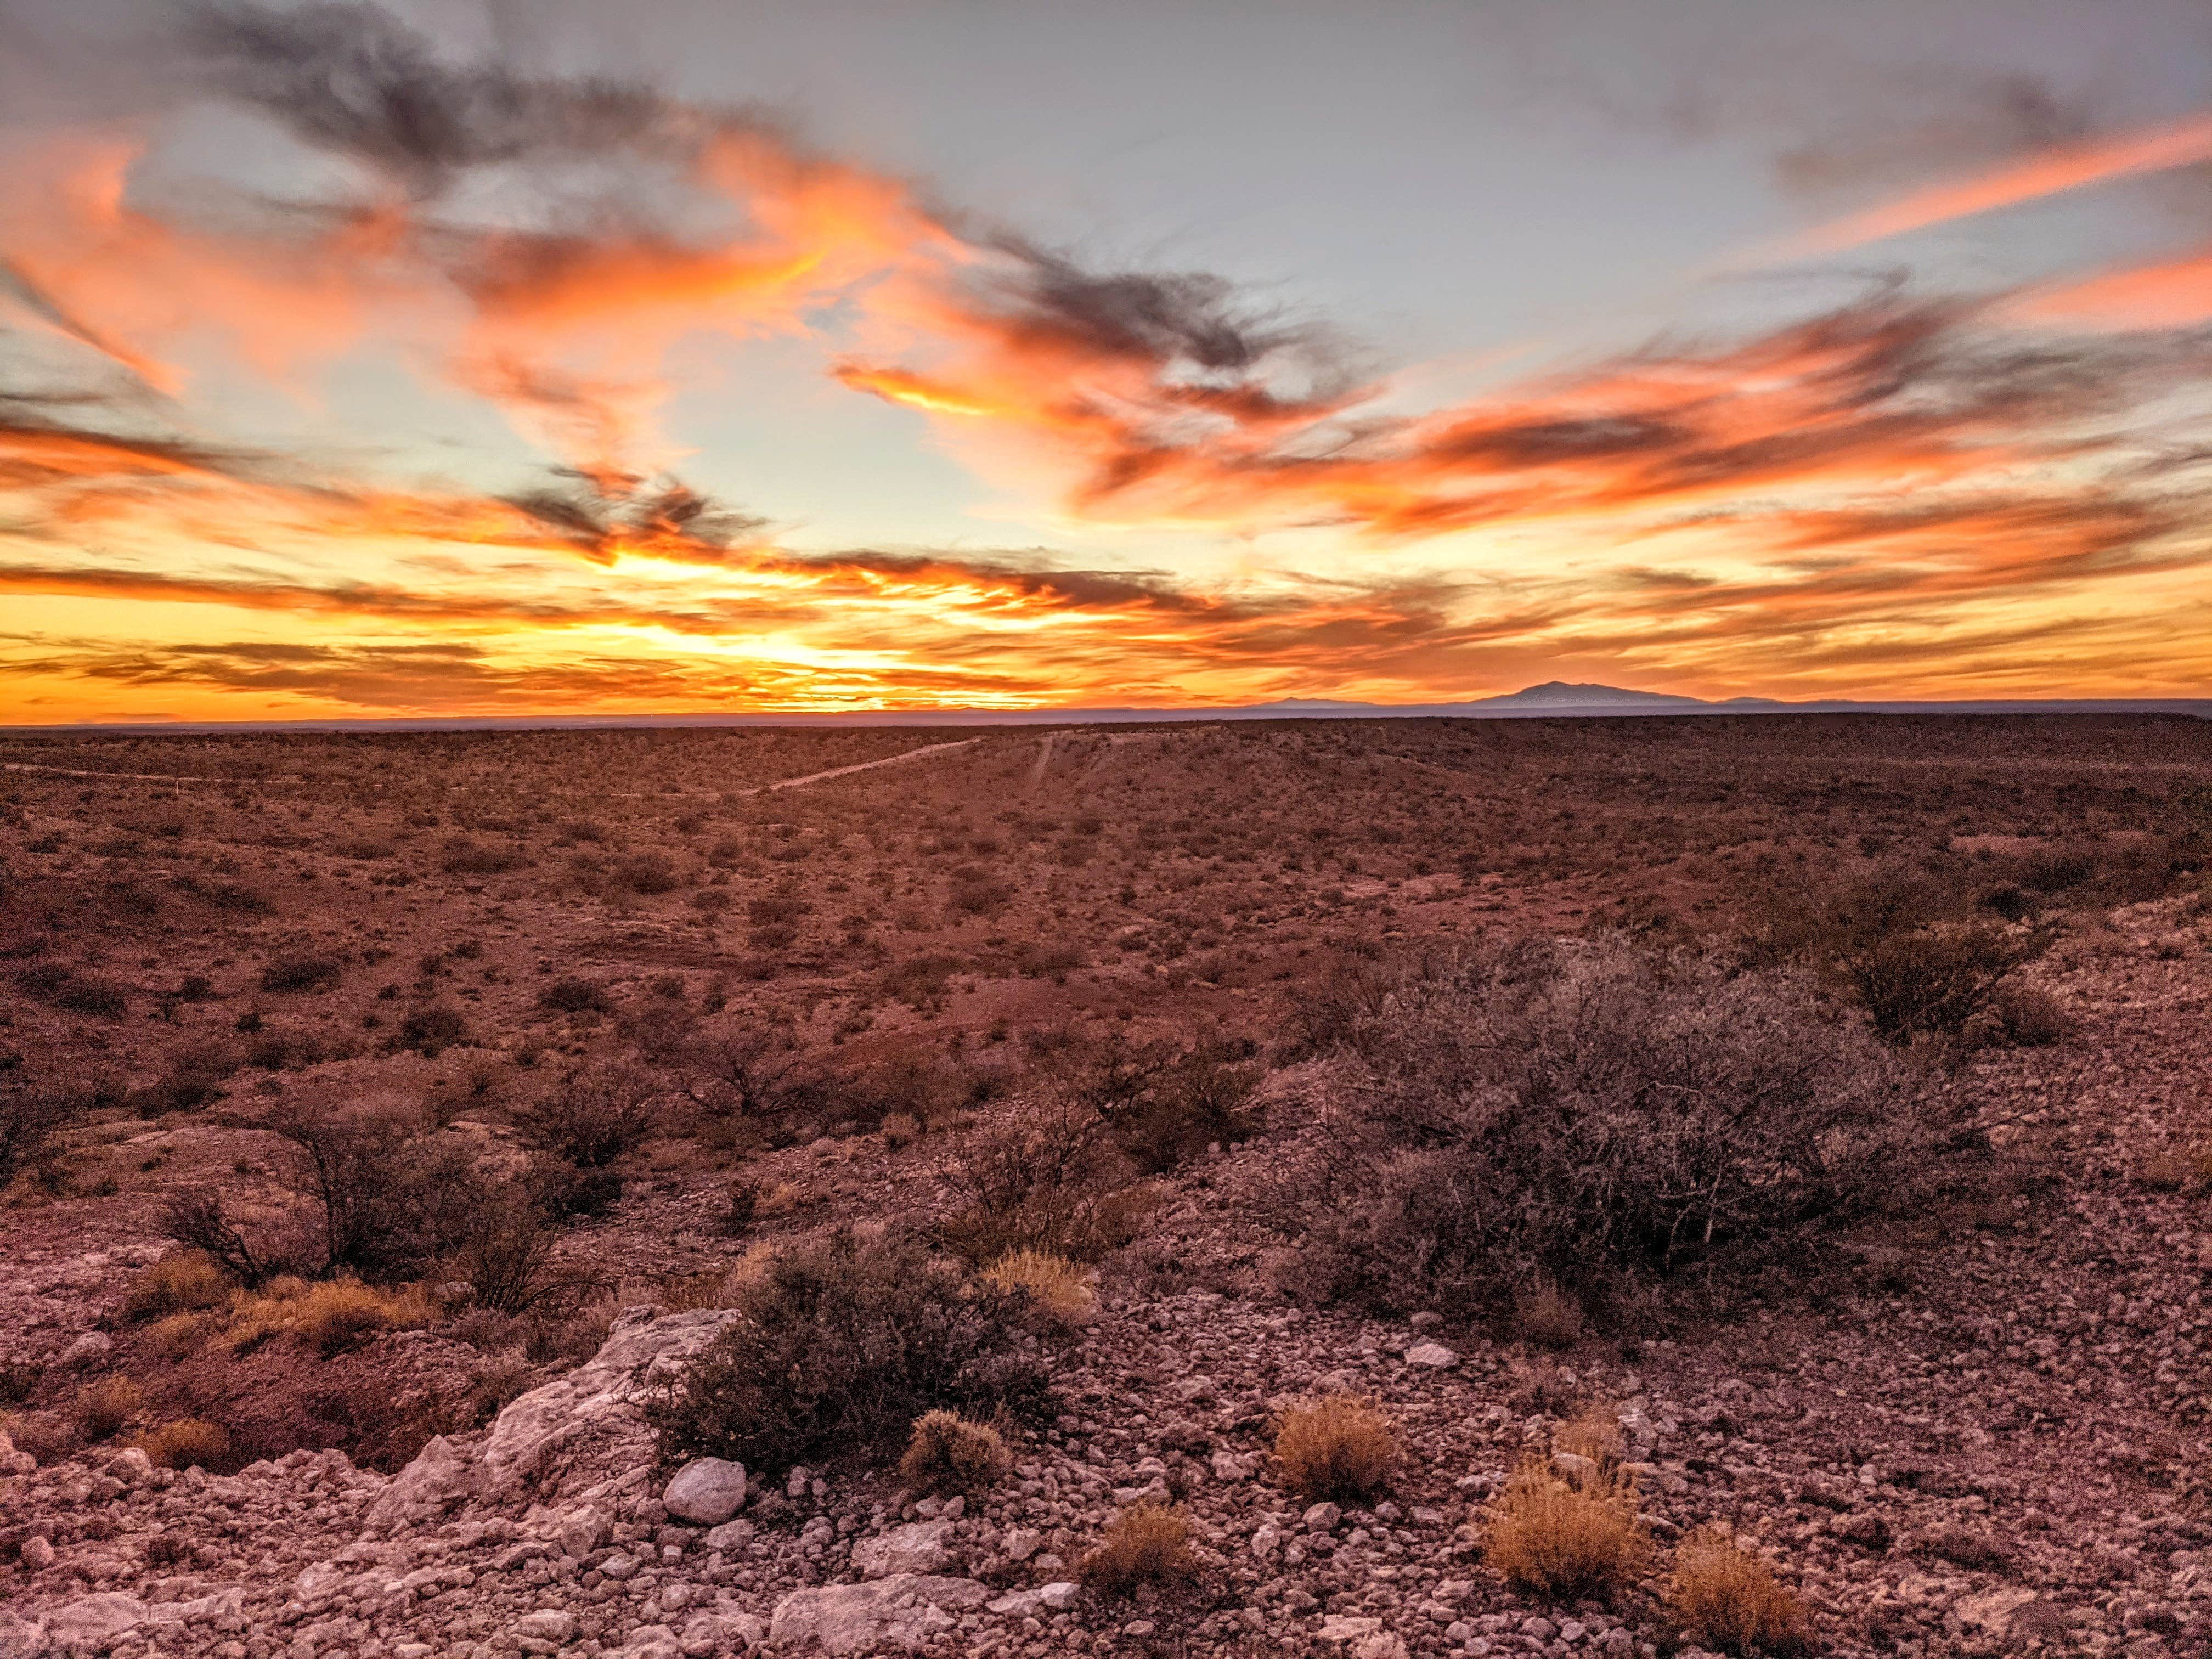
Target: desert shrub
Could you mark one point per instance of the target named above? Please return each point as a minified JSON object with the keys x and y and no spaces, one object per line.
{"x":464,"y":857}
{"x":496,"y":1379}
{"x":1929,"y":979}
{"x":1555,"y":1539}
{"x":571,"y":995}
{"x":1340,"y":1450}
{"x":183,"y":1282}
{"x":389,"y":1199}
{"x":947,"y":1454}
{"x":103,"y":1408}
{"x":19,"y":1379}
{"x":433,"y":1029}
{"x":899,"y":1129}
{"x":1145,"y":1544}
{"x":740,"y":1203}
{"x":186,"y":1443}
{"x":1593,"y":1431}
{"x":646,"y":874}
{"x":1728,"y":1599}
{"x":91,"y":994}
{"x":1591,"y":1112}
{"x":300,"y":971}
{"x":839,"y":1346}
{"x":1036,"y":1184}
{"x":1162,"y":1113}
{"x":31,"y":1115}
{"x":195,"y":1217}
{"x":594,"y":1116}
{"x":753,"y":1074}
{"x":562,"y":1192}
{"x":1054,"y":1286}
{"x":1546,"y":1314}
{"x":2028,"y":1015}
{"x":506,"y":1259}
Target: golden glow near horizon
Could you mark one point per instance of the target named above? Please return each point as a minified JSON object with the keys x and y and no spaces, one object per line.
{"x":1987,"y":494}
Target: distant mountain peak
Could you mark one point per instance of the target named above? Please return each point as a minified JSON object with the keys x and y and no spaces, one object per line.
{"x":1572,"y":694}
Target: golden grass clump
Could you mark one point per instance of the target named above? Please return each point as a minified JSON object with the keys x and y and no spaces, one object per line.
{"x":1148,"y":1543}
{"x":948,"y":1453}
{"x":187,"y":1283}
{"x":1729,"y":1598}
{"x":1056,"y":1285}
{"x":1340,"y":1450}
{"x":1558,"y":1539}
{"x":183,"y":1444}
{"x":2177,"y":1169}
{"x":901,"y":1129}
{"x":179,"y":1336}
{"x":103,"y":1408}
{"x":1593,"y":1432}
{"x":330,"y":1317}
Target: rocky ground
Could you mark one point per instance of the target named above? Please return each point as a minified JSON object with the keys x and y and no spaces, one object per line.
{"x":1986,"y":1437}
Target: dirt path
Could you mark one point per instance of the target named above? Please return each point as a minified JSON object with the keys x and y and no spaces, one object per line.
{"x":864,"y":766}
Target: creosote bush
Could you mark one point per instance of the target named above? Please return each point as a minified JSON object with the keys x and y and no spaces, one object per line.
{"x":1555,"y":1539}
{"x":839,"y":1344}
{"x":947,"y":1454}
{"x":103,"y":1408}
{"x":1592,"y":1112}
{"x":1728,"y":1599}
{"x":1340,"y":1449}
{"x":593,"y":1117}
{"x":1147,"y":1543}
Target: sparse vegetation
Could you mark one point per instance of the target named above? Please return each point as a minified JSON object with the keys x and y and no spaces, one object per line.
{"x":1729,"y":1598}
{"x":1339,"y":1449}
{"x":947,"y":1454}
{"x":1146,"y":1544}
{"x":1563,"y":1540}
{"x":839,"y":1345}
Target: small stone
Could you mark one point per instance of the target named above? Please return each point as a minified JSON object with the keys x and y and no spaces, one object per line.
{"x":1431,"y":1356}
{"x":1323,"y":1517}
{"x":547,"y":1625}
{"x":36,"y":1553}
{"x":1020,"y":1543}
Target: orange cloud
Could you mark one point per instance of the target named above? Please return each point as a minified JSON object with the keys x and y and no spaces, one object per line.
{"x":2171,"y":294}
{"x":2047,"y":172}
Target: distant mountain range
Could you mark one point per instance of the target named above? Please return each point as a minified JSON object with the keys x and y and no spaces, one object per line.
{"x":1553,"y":699}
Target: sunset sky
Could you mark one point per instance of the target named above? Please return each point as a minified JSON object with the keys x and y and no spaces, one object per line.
{"x":547,"y":356}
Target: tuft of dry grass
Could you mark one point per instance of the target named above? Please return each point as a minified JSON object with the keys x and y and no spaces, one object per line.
{"x":329,"y":1317}
{"x":1146,"y":1544}
{"x":103,"y":1408}
{"x":1557,"y":1540}
{"x":2174,"y":1169}
{"x":948,"y":1453}
{"x":1729,"y":1598}
{"x":1593,"y":1432}
{"x":1340,"y":1449}
{"x":1547,"y":1315}
{"x":186,"y":1283}
{"x":1056,"y":1285}
{"x":183,"y":1444}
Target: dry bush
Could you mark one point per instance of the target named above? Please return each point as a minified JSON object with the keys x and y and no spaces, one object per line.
{"x":186,"y":1282}
{"x":1728,"y":1599}
{"x":2178,"y":1168}
{"x":1593,"y":1432}
{"x":31,"y":1115}
{"x":1546,"y":1314}
{"x":186,"y":1443}
{"x":594,"y":1116}
{"x":91,"y":994}
{"x":1042,"y":1183}
{"x":180,"y":1336}
{"x":1054,"y":1286}
{"x":433,"y":1029}
{"x":948,"y":1453}
{"x":329,"y":1316}
{"x":391,"y":1198}
{"x":2029,"y":1015}
{"x":465,"y":857}
{"x":103,"y":1408}
{"x":506,"y":1259}
{"x":195,"y":1217}
{"x":754,"y":1074}
{"x":1593,"y":1111}
{"x":1340,"y":1449}
{"x":571,"y":995}
{"x":1557,"y":1540}
{"x":1145,"y":1544}
{"x":1166,"y":1102}
{"x":899,"y":1130}
{"x":300,"y":971}
{"x":1930,"y":978}
{"x":646,"y":874}
{"x":839,"y":1345}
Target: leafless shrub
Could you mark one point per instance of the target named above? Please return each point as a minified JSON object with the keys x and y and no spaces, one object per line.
{"x":31,"y":1115}
{"x":594,"y":1117}
{"x":389,"y":1199}
{"x":300,"y":971}
{"x":1593,"y":1110}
